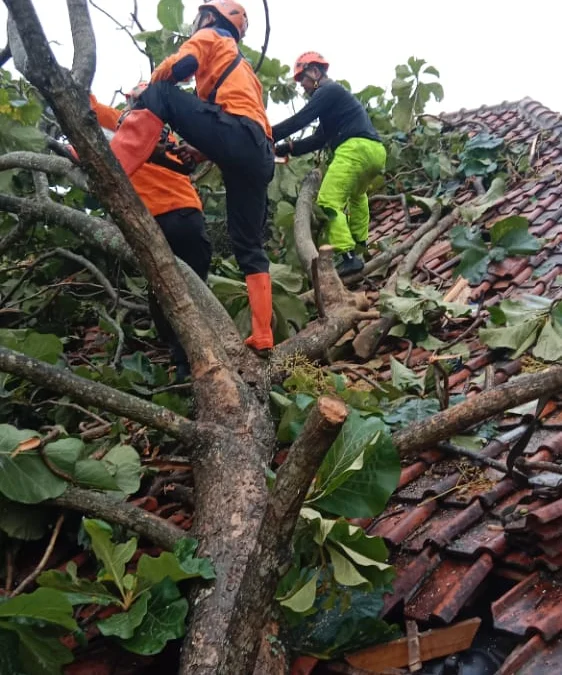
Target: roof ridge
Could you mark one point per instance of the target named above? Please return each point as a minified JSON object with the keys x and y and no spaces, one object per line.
{"x":534,"y":112}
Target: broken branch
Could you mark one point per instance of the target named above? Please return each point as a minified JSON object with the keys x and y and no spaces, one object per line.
{"x":146,"y":524}
{"x":306,"y":250}
{"x":106,"y":398}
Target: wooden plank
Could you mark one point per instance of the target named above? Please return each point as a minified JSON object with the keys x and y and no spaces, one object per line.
{"x":433,"y":644}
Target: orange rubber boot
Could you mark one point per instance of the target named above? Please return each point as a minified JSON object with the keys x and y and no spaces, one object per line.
{"x":136,"y":139}
{"x":259,"y":293}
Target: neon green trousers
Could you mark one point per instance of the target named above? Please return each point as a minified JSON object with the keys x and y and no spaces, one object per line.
{"x":343,"y":193}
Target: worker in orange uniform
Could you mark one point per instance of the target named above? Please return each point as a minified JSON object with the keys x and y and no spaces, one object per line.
{"x":173,"y":201}
{"x":226,"y":121}
{"x":359,"y":156}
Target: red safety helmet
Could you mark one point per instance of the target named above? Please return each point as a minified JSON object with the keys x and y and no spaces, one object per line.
{"x":232,"y":11}
{"x":306,"y":60}
{"x":131,"y":96}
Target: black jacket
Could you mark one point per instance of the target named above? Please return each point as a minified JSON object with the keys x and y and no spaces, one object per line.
{"x":341,"y":117}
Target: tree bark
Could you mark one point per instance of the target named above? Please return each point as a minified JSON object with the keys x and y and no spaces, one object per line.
{"x":422,"y":435}
{"x":146,"y":524}
{"x":306,"y":250}
{"x":264,"y":537}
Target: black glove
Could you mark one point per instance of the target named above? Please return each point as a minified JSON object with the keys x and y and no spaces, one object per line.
{"x":283,"y":149}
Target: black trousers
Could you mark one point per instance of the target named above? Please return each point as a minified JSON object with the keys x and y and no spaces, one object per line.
{"x":186,"y":234}
{"x":241,"y":150}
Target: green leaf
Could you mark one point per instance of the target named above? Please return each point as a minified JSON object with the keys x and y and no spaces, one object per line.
{"x":9,"y":657}
{"x":345,"y":571}
{"x":284,"y":277}
{"x":42,"y":346}
{"x":513,"y":235}
{"x":25,"y":477}
{"x":94,"y":474}
{"x":430,"y":70}
{"x":38,"y":654}
{"x":185,"y":550}
{"x":478,"y":206}
{"x":168,"y":565}
{"x":347,"y":453}
{"x":124,"y":464}
{"x":549,"y":344}
{"x":404,"y":412}
{"x":44,"y":604}
{"x":303,"y":599}
{"x":77,"y":591}
{"x":404,"y":378}
{"x":170,"y":14}
{"x":113,"y":556}
{"x":365,"y":493}
{"x":124,"y":624}
{"x":23,"y":522}
{"x":518,"y":337}
{"x":164,"y":620}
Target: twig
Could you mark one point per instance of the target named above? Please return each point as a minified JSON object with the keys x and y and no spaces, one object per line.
{"x":44,"y":560}
{"x":477,"y":322}
{"x":53,"y":468}
{"x":266,"y":38}
{"x":355,"y":370}
{"x":75,"y":406}
{"x":9,"y":567}
{"x":523,"y":463}
{"x":123,"y":28}
{"x":453,"y":449}
{"x":441,"y":384}
{"x":319,"y":302}
{"x":116,"y":325}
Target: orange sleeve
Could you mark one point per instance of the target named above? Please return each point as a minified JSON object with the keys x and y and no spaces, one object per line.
{"x":108,"y":117}
{"x":192,"y":47}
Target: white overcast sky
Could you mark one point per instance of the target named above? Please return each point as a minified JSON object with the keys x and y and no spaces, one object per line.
{"x":487,"y":51}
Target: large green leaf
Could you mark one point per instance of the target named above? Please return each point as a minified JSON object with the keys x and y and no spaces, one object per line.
{"x":124,"y":624}
{"x":302,"y":599}
{"x":513,"y":235}
{"x":170,"y":14}
{"x":44,"y":604}
{"x":123,"y":462}
{"x":478,"y":206}
{"x":365,"y":493}
{"x":78,"y":591}
{"x":345,"y":572}
{"x":518,"y":337}
{"x":25,"y":477}
{"x":549,"y":344}
{"x":348,"y":453}
{"x":284,"y":277}
{"x":38,"y":654}
{"x":164,"y":620}
{"x":42,"y":346}
{"x":113,"y":556}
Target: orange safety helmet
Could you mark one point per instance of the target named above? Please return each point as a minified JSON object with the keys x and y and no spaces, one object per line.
{"x":131,"y":96}
{"x":232,"y":11}
{"x":308,"y":59}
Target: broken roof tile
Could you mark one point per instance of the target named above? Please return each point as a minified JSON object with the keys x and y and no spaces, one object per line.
{"x":535,"y":604}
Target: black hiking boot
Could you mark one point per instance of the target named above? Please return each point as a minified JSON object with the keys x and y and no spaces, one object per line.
{"x":349,"y":264}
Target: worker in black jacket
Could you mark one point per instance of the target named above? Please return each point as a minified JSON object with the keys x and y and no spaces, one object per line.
{"x":359,"y":155}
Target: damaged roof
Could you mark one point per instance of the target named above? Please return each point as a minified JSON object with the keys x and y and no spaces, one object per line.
{"x":464,"y":536}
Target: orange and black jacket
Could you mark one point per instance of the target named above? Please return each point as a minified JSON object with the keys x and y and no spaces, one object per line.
{"x":161,"y":190}
{"x":206,"y":55}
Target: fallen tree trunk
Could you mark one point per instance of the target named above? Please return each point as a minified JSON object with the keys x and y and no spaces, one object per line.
{"x":306,"y":250}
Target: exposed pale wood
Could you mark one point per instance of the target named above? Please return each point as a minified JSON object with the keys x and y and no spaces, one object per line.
{"x":433,"y":644}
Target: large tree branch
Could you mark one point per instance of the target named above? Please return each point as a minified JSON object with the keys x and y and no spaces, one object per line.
{"x":146,"y":524}
{"x":84,"y":39}
{"x":217,"y":385}
{"x":5,"y":55}
{"x":421,"y":435}
{"x":34,"y":161}
{"x":107,"y":237}
{"x":244,"y":611}
{"x":107,"y":398}
{"x":306,"y":250}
